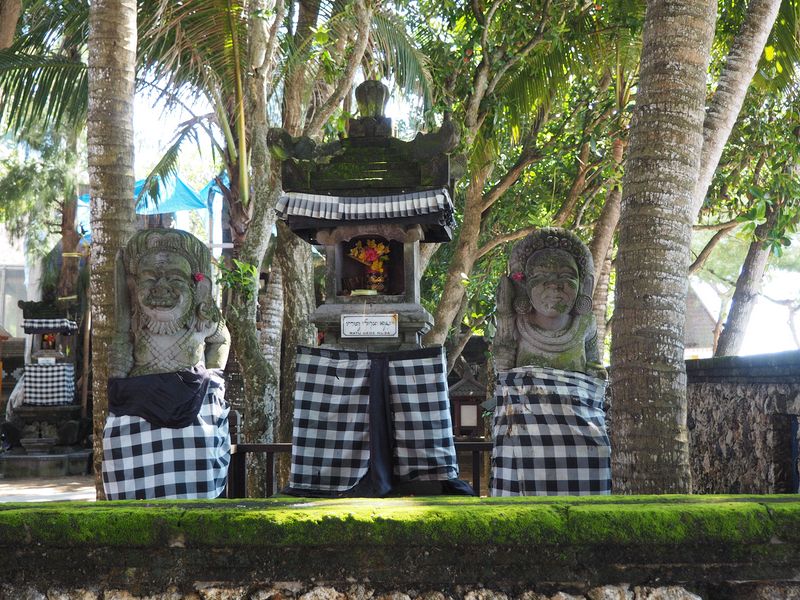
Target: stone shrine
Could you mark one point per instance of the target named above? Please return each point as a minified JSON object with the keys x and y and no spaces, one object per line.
{"x":371,"y":409}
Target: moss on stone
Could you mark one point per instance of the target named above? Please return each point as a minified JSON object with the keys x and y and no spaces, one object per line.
{"x":670,"y":520}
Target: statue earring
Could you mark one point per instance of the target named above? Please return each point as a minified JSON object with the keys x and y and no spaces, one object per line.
{"x":583,"y":304}
{"x":522,"y":306}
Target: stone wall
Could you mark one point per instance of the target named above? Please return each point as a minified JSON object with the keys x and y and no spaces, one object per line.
{"x":434,"y":548}
{"x":743,"y":415}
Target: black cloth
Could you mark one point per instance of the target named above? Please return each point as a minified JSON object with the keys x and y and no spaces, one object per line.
{"x":165,"y":399}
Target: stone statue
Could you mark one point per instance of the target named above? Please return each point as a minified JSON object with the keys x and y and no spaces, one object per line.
{"x":549,"y":424}
{"x":544,"y":306}
{"x":166,"y":317}
{"x":166,"y":435}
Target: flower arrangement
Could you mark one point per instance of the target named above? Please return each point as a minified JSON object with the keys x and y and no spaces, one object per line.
{"x":373,"y":255}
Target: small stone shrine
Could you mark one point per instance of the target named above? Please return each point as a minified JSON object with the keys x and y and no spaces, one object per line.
{"x":549,"y":425}
{"x":44,"y":407}
{"x":371,"y":408}
{"x":166,"y":435}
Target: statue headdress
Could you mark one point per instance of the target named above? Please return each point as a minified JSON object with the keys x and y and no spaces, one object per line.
{"x":552,"y":238}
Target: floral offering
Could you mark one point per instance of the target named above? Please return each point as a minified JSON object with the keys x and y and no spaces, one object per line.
{"x":373,"y":255}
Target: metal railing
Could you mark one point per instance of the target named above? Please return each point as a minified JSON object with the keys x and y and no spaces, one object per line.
{"x":237,"y":471}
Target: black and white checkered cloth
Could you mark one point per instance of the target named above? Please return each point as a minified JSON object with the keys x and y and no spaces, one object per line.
{"x":356,"y":410}
{"x":49,"y":326}
{"x":142,"y":461}
{"x":49,"y":385}
{"x":549,"y":434}
{"x":358,"y":208}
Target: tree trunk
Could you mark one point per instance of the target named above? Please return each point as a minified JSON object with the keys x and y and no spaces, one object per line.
{"x":650,"y":442}
{"x":10,"y":11}
{"x":271,"y":305}
{"x":576,"y":189}
{"x":259,"y":378}
{"x":293,"y":258}
{"x":68,"y":277}
{"x":112,"y":60}
{"x":748,"y":287}
{"x":603,"y":235}
{"x":600,"y":301}
{"x":732,"y":88}
{"x":463,"y":258}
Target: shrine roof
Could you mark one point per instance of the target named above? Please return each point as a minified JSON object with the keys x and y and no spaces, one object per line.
{"x":307,"y":213}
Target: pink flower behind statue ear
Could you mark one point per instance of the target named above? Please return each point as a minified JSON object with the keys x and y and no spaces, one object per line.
{"x":198,"y":277}
{"x":518,"y":276}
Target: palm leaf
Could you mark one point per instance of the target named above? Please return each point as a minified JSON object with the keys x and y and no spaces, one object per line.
{"x":402,"y":59}
{"x":191,"y":45}
{"x":43,"y":82}
{"x":778,"y":66}
{"x":41,"y":91}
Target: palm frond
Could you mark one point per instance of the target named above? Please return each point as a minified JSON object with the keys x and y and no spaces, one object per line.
{"x":43,"y":81}
{"x":190,"y":45}
{"x":41,"y":91}
{"x":530,"y":86}
{"x":780,"y":61}
{"x":401,"y":57}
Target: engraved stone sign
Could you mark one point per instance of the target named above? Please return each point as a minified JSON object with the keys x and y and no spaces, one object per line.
{"x":375,"y":325}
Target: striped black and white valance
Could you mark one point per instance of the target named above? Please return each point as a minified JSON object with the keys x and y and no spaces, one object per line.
{"x":432,"y":208}
{"x":49,"y":326}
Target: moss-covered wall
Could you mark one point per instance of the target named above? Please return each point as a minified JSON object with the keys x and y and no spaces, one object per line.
{"x":546,"y":544}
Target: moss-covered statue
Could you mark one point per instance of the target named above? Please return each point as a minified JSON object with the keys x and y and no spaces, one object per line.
{"x":544,"y":307}
{"x":167,"y":431}
{"x":549,"y":423}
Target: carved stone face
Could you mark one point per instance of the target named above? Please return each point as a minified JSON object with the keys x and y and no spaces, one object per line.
{"x":552,"y":282}
{"x":164,"y":288}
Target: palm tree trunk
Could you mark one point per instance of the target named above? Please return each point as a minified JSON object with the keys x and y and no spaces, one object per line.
{"x":112,"y":60}
{"x":740,"y":67}
{"x":650,"y":441}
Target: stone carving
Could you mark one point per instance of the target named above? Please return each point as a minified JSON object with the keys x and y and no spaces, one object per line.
{"x":166,"y":435}
{"x":544,"y":306}
{"x":166,"y":317}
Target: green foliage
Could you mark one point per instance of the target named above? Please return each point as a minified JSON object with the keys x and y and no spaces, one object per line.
{"x":43,"y":77}
{"x":34,"y":179}
{"x":242,"y":279}
{"x":757,"y":175}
